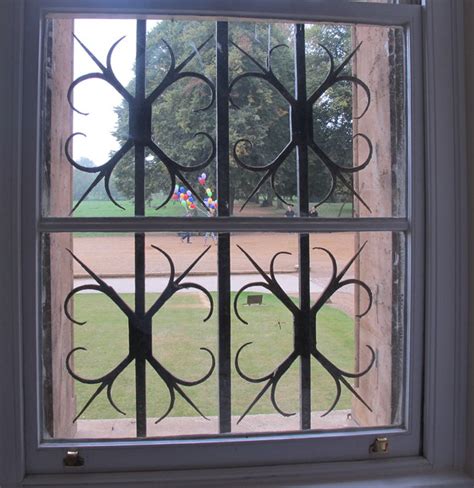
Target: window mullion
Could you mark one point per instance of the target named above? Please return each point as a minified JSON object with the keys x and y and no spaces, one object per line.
{"x":223,"y":259}
{"x":140,"y":330}
{"x":300,"y":127}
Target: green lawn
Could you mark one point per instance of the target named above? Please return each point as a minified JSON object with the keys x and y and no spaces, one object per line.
{"x":332,"y":210}
{"x":99,"y":208}
{"x":179,"y":333}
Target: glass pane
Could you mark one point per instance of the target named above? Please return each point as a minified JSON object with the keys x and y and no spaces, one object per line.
{"x":356,"y":311}
{"x":110,"y":368}
{"x":361,"y":327}
{"x":94,"y":124}
{"x":357,"y":162}
{"x":126,"y":342}
{"x":262,"y":332}
{"x":259,"y":119}
{"x":353,"y":81}
{"x":149,"y":148}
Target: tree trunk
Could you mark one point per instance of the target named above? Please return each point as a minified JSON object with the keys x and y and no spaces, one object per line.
{"x":231,"y":201}
{"x":267,"y":202}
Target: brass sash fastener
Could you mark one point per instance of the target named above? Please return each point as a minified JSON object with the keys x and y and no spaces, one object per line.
{"x":379,"y":446}
{"x":73,"y":459}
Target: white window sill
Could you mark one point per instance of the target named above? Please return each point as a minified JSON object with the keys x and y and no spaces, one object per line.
{"x":400,"y":473}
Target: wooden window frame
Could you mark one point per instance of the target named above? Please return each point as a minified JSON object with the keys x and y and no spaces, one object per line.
{"x":440,"y":51}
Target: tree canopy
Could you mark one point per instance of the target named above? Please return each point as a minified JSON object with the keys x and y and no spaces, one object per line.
{"x":262,"y":116}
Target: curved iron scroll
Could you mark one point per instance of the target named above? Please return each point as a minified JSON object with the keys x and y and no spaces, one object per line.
{"x":302,"y":344}
{"x":140,"y":130}
{"x":141,"y":343}
{"x":301,"y":134}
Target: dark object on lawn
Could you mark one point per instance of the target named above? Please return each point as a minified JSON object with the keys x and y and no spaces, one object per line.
{"x":254,"y":299}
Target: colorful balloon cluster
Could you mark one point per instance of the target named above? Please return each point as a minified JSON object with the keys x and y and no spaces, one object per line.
{"x":186,"y":198}
{"x":209,"y":201}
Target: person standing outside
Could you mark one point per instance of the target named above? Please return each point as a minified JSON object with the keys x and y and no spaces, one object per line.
{"x":211,"y":213}
{"x":187,"y":235}
{"x":314,"y":211}
{"x":290,"y":213}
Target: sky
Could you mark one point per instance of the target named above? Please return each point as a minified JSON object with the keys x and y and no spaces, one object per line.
{"x":96,"y":97}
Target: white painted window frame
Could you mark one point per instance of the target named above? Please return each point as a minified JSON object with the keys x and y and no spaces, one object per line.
{"x":440,"y":85}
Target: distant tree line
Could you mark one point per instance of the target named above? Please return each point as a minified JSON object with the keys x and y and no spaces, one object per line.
{"x":82,"y":181}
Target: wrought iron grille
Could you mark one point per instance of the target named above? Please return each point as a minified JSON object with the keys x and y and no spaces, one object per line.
{"x":301,"y":141}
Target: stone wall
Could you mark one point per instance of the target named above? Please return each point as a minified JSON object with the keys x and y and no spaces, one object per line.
{"x":378,"y":64}
{"x":59,"y":403}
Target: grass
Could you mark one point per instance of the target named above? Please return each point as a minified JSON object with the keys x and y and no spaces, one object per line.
{"x":99,"y":208}
{"x":331,"y":210}
{"x":178,"y":333}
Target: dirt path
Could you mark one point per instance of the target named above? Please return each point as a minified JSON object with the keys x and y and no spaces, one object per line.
{"x":114,"y":256}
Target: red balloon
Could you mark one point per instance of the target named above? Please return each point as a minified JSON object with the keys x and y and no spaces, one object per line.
{"x":184,"y":196}
{"x":175,"y":196}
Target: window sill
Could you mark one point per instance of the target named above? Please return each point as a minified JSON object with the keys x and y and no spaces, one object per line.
{"x":400,"y":473}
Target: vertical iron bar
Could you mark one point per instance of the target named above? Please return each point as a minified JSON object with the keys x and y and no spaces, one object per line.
{"x":223,"y":260}
{"x":222,"y":119}
{"x":301,"y":125}
{"x":141,"y":337}
{"x":305,"y":333}
{"x":139,"y":115}
{"x":301,"y":122}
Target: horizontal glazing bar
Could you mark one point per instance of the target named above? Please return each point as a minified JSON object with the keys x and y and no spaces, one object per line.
{"x":221,"y":224}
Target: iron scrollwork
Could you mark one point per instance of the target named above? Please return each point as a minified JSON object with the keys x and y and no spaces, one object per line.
{"x":302,"y":136}
{"x":140,"y":328}
{"x":302,"y":343}
{"x":140,"y":130}
{"x":139,"y":319}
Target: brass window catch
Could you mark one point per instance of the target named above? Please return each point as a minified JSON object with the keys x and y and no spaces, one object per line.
{"x":379,"y":446}
{"x":72,"y":458}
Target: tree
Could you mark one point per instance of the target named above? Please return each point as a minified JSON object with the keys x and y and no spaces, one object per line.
{"x":174,"y":116}
{"x":332,"y":115}
{"x":259,"y":113}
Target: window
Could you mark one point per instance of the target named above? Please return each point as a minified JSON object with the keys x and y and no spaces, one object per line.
{"x":322,"y":162}
{"x":277,"y":113}
{"x":399,"y":227}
